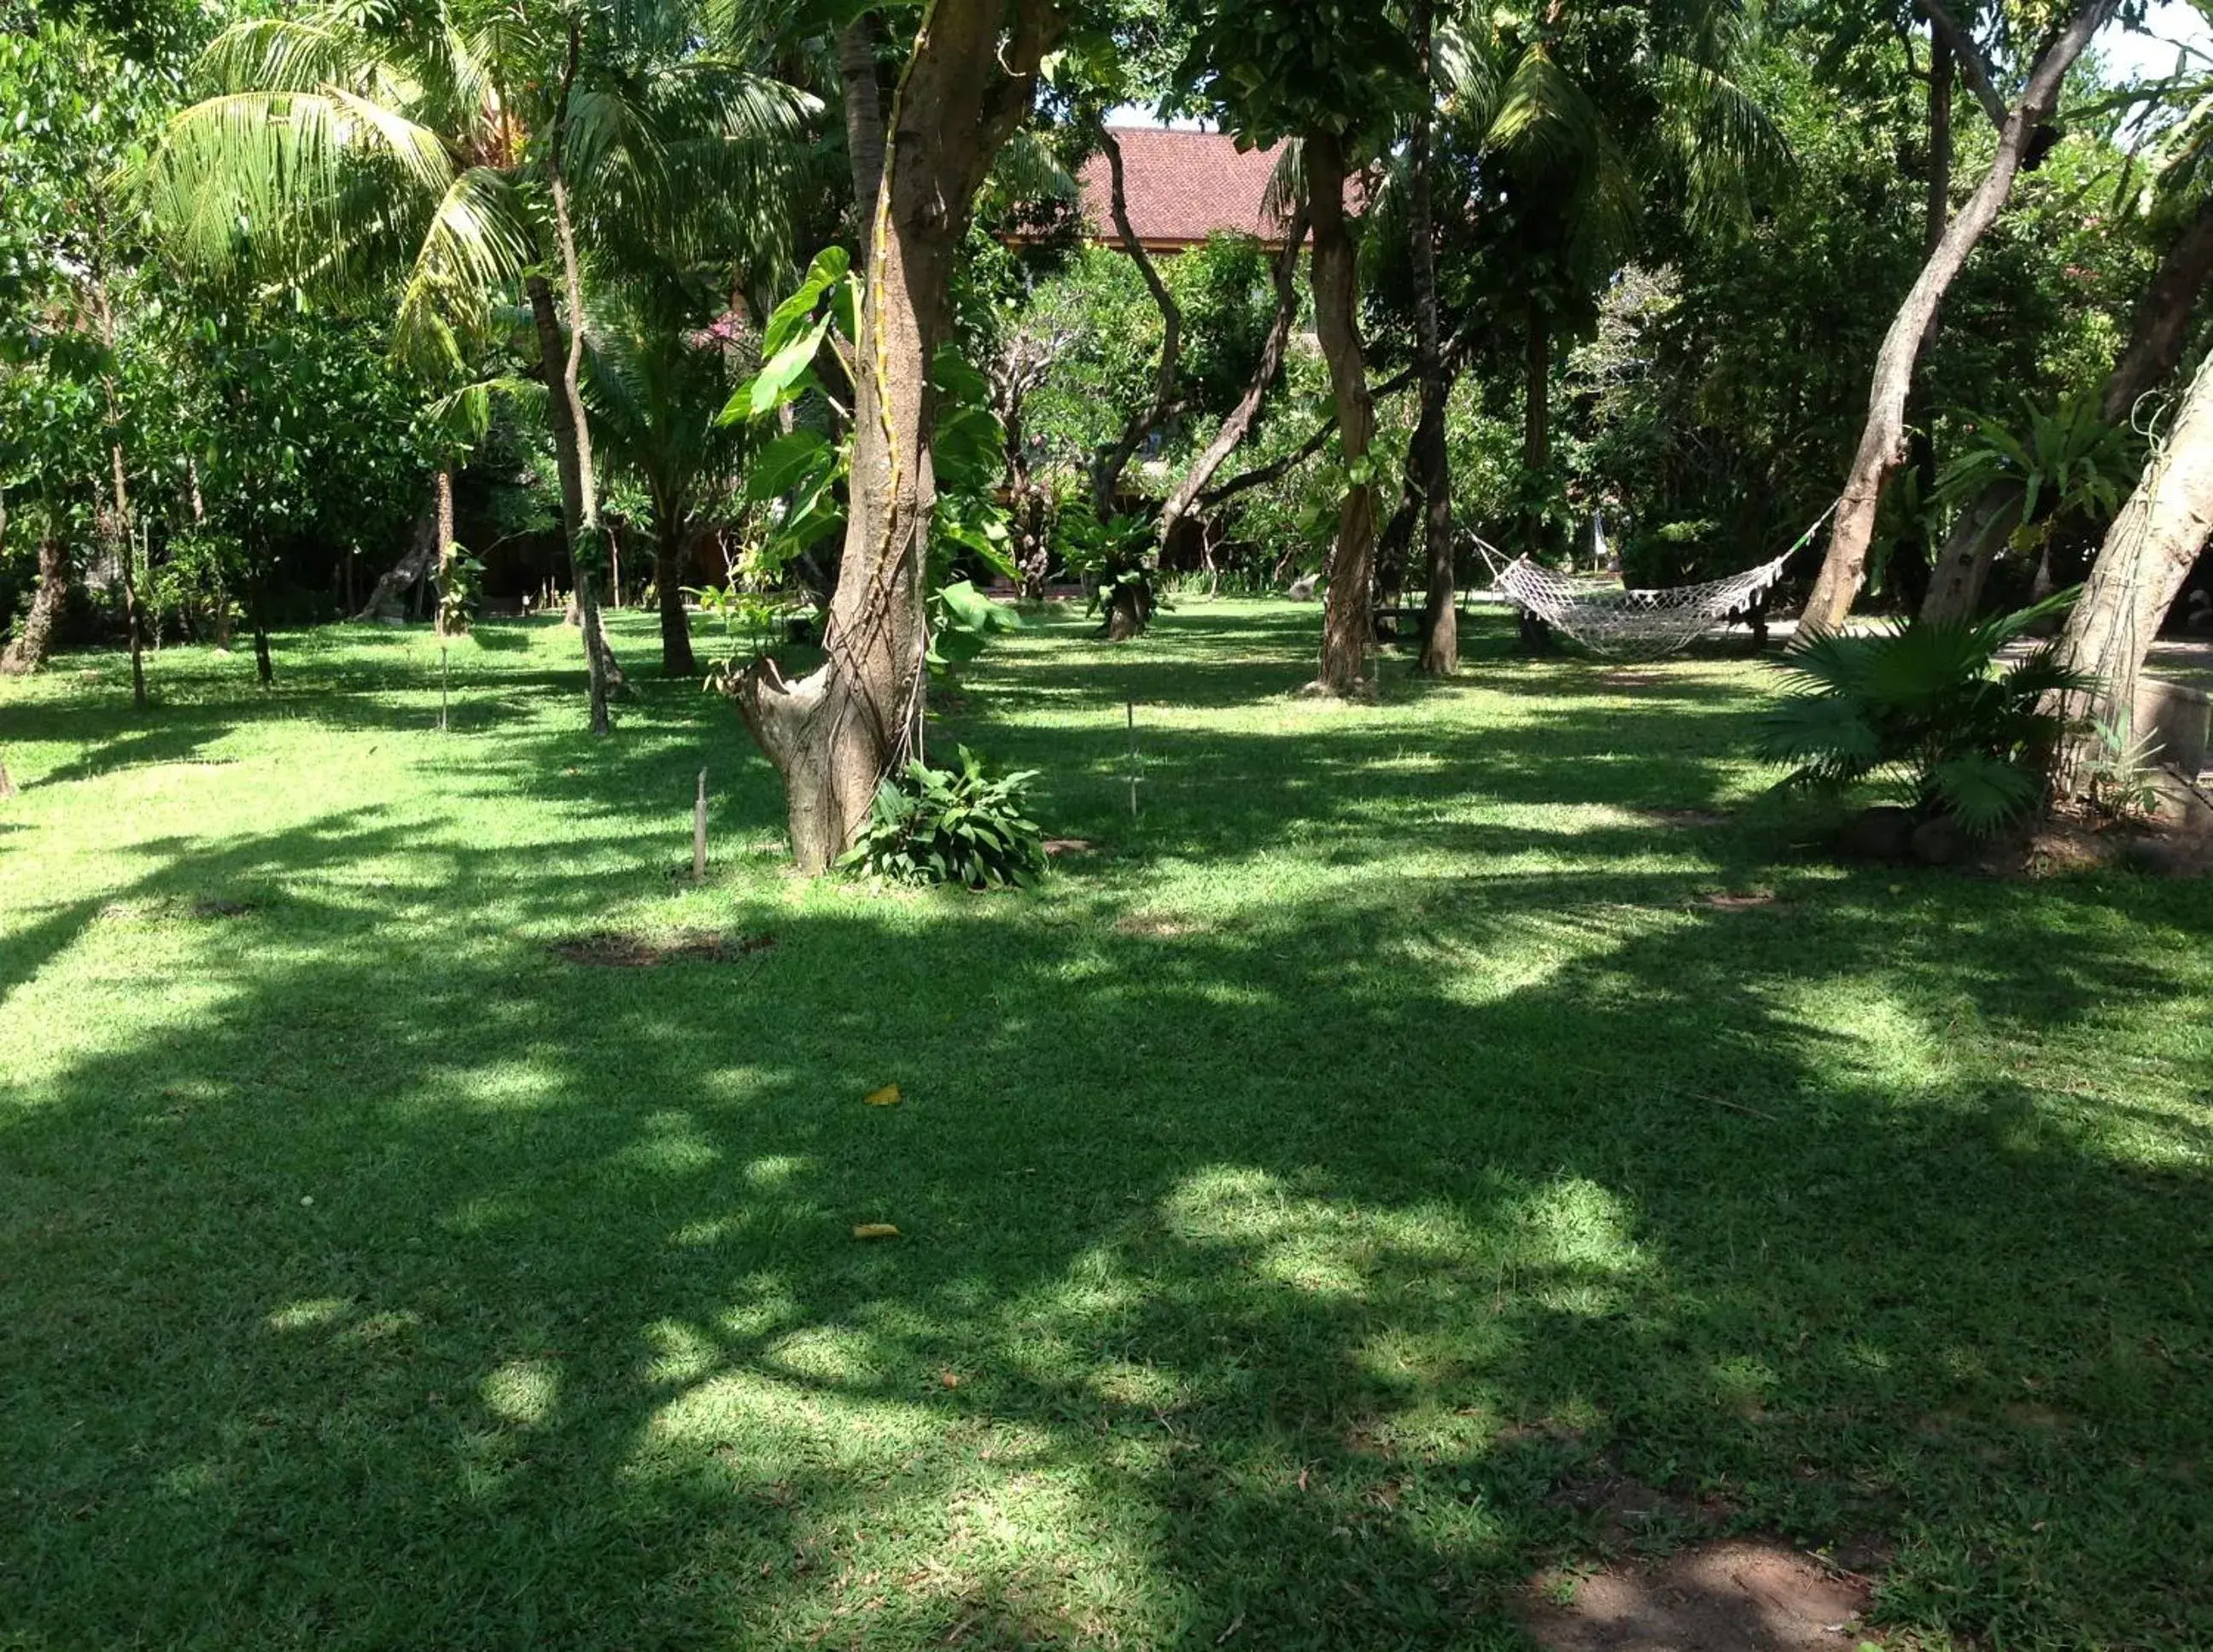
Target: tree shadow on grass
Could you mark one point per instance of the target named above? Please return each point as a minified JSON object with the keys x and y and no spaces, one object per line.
{"x":1287,"y":1274}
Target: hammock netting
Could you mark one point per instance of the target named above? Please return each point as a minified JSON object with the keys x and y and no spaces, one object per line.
{"x":1619,"y":623}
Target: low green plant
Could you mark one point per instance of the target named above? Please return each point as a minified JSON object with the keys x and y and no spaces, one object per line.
{"x":2117,"y":778}
{"x":1931,"y":705}
{"x":962,"y":825}
{"x":1115,"y":560}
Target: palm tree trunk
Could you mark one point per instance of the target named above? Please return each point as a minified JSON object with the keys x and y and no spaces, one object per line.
{"x":833,"y":734}
{"x":2157,"y":340}
{"x":1432,"y":461}
{"x":1882,"y":440}
{"x":1348,"y":626}
{"x":1235,"y":428}
{"x":676,"y":656}
{"x":572,"y":437}
{"x":1536,"y":424}
{"x":441,"y":488}
{"x":864,"y":113}
{"x":2148,"y":554}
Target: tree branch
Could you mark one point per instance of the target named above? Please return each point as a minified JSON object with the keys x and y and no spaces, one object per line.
{"x":1974,"y":67}
{"x":1108,"y":476}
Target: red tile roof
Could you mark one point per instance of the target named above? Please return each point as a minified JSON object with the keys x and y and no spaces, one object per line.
{"x":1181,"y":187}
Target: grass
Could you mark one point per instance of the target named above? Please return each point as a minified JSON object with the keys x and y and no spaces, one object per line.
{"x":1309,"y":1204}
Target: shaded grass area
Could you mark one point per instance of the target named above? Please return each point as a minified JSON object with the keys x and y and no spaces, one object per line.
{"x":1383,"y":1139}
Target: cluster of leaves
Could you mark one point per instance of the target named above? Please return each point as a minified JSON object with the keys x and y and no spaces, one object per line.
{"x":1931,"y":705}
{"x":963,"y":826}
{"x":1114,"y":558}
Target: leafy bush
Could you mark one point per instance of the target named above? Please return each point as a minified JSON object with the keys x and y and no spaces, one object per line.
{"x":1929,"y":705}
{"x":951,"y":825}
{"x":1115,"y":559}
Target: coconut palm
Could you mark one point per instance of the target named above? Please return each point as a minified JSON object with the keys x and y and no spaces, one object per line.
{"x":455,"y":147}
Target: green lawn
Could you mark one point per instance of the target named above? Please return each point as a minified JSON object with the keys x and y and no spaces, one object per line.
{"x":1315,"y":1206}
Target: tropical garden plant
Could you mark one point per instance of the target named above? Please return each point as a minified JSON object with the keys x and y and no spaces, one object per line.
{"x":1934,"y":706}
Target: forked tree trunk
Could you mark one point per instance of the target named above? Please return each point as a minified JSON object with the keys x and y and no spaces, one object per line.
{"x":1235,"y":428}
{"x":833,"y":734}
{"x":27,"y":650}
{"x":1107,"y":476}
{"x":2148,"y":554}
{"x":1882,"y":439}
{"x":1348,"y":625}
{"x":2156,"y":339}
{"x":1432,"y":459}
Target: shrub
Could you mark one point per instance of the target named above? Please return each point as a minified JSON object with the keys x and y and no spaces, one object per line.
{"x":960,"y":825}
{"x":1929,"y":705}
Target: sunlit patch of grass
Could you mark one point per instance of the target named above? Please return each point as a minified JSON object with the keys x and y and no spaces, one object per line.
{"x":1379,"y":1139}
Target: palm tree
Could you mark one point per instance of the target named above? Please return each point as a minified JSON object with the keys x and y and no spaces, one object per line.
{"x":453,"y":147}
{"x":1573,"y":128}
{"x":653,"y":385}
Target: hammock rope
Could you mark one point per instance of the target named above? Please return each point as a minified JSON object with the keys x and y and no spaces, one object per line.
{"x":1619,"y":623}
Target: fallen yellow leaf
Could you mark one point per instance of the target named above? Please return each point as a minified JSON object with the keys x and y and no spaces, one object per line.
{"x":874,"y":1230}
{"x":886,"y":1097}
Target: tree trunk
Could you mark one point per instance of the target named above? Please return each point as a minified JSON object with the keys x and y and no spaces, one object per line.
{"x":833,"y":734}
{"x":387,"y":601}
{"x":441,"y":489}
{"x":1882,"y":440}
{"x":1432,"y":461}
{"x":864,"y":116}
{"x":2148,"y":554}
{"x":1913,"y":561}
{"x":116,"y":520}
{"x":676,"y":657}
{"x":1239,"y":425}
{"x":1349,"y":624}
{"x":1106,"y":475}
{"x":572,"y":437}
{"x":1536,"y":426}
{"x":27,"y":650}
{"x":2156,"y":339}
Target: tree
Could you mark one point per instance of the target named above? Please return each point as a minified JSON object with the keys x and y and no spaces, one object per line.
{"x":2159,"y":332}
{"x":2148,"y":553}
{"x":655,"y":382}
{"x":69,"y":237}
{"x":360,"y":148}
{"x":968,"y":82}
{"x":1338,"y":78}
{"x":1431,"y":461}
{"x":1882,"y":438}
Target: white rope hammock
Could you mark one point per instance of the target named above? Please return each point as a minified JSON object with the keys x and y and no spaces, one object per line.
{"x":1621,"y":623}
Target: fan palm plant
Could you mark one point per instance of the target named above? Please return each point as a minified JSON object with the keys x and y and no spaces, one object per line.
{"x":1929,"y":702}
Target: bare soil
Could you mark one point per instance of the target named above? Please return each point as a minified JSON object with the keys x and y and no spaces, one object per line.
{"x":1738,"y":1595}
{"x":611,"y":950}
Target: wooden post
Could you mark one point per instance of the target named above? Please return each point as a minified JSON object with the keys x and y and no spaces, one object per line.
{"x":699,"y":832}
{"x":1133,"y":759}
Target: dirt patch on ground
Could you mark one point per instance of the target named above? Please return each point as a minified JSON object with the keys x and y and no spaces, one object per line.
{"x":211,"y":907}
{"x":610,"y":950}
{"x":1682,"y":817}
{"x":1060,"y":847}
{"x":1741,"y":1595}
{"x":1738,"y":900}
{"x":1158,"y":926}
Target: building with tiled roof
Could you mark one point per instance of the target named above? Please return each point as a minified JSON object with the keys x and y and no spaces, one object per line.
{"x":1181,"y":186}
